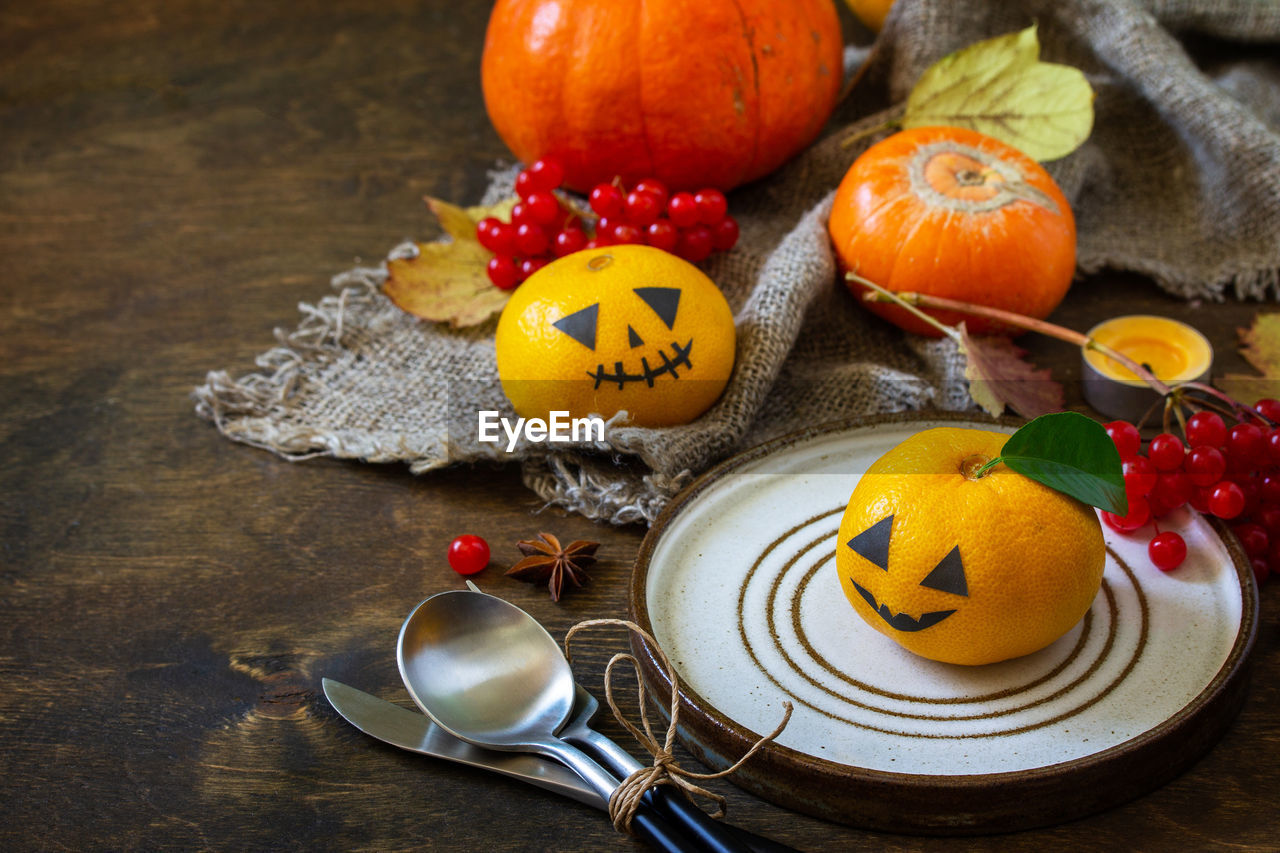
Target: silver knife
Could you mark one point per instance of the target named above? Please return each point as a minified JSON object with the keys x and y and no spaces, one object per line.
{"x":416,"y":732}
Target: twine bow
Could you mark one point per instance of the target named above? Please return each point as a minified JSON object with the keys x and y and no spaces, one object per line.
{"x":664,"y":771}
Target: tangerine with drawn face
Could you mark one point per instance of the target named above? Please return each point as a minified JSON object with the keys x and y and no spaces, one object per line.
{"x":619,"y":328}
{"x":960,"y":568}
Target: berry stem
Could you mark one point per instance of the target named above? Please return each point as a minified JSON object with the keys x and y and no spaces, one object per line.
{"x":1235,"y":408}
{"x":904,"y":301}
{"x":1020,"y":321}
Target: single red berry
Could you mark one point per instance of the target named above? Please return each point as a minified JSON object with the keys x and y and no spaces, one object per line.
{"x":1206,"y":429}
{"x":529,"y":266}
{"x":625,"y":232}
{"x":1172,"y":490}
{"x":1167,"y":551}
{"x":1138,"y":515}
{"x":1244,"y":441}
{"x":1262,"y":569}
{"x":497,"y":236}
{"x":531,"y":239}
{"x":503,"y":272}
{"x":1205,"y":465}
{"x":724,"y":234}
{"x":1249,"y":487}
{"x":662,"y":235}
{"x":1269,"y":517}
{"x":1269,"y":488}
{"x":655,"y":186}
{"x":1199,"y":499}
{"x":1226,"y":500}
{"x":694,"y":244}
{"x":1139,"y":476}
{"x":521,"y":214}
{"x":543,"y":207}
{"x":525,"y":181}
{"x":606,"y":200}
{"x":1272,"y":442}
{"x":1125,"y":437}
{"x":1166,"y":452}
{"x":569,"y":240}
{"x":546,"y":173}
{"x":642,"y":208}
{"x":1253,"y":537}
{"x":712,"y":206}
{"x":1269,"y":408}
{"x":468,"y":554}
{"x":683,"y":210}
{"x":605,"y":226}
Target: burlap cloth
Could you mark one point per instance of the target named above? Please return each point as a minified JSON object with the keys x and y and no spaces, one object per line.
{"x":1180,"y":180}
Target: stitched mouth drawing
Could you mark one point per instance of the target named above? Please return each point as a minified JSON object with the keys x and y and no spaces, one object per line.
{"x":901,"y":621}
{"x":679,"y":359}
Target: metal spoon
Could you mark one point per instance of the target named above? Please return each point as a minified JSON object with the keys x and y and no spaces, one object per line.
{"x":489,"y":674}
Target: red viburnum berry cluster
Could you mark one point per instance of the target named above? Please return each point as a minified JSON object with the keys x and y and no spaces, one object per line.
{"x":1229,"y":472}
{"x":690,"y":225}
{"x":544,"y":227}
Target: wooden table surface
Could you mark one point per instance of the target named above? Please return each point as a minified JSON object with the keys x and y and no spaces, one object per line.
{"x":175,"y":177}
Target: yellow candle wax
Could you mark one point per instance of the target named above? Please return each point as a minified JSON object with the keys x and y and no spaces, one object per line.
{"x":1173,"y":351}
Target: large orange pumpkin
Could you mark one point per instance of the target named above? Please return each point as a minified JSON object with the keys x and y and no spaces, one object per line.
{"x":697,"y":93}
{"x":954,"y":213}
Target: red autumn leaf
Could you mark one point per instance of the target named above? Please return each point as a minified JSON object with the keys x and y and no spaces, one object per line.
{"x":999,"y":377}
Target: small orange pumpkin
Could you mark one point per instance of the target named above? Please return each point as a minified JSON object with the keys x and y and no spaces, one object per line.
{"x":954,"y":213}
{"x":696,"y":93}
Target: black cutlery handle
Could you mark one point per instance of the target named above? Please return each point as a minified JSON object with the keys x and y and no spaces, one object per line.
{"x":711,"y":835}
{"x":657,"y":833}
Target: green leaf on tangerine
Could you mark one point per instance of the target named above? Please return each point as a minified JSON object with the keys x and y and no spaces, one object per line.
{"x":1001,"y":88}
{"x":1071,"y":453}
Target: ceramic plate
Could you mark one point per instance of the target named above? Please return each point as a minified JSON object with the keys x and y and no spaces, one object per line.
{"x":737,"y":583}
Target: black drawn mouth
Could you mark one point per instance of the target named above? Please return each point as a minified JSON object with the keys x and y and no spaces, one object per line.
{"x":901,"y":621}
{"x":679,"y":358}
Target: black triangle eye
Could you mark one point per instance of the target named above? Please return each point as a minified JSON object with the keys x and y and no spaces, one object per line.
{"x":663,"y":300}
{"x":581,"y":325}
{"x":948,"y":575}
{"x":873,"y":543}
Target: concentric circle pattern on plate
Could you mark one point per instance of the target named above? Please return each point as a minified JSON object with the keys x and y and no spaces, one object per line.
{"x":743,"y":596}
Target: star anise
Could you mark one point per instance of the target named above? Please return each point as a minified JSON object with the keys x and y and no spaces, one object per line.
{"x":546,"y":560}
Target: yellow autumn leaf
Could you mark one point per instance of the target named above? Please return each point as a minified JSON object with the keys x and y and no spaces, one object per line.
{"x":446,"y":281}
{"x":1001,"y":88}
{"x":1260,"y":346}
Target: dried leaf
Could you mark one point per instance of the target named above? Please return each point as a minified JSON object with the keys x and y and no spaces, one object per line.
{"x":1001,"y":88}
{"x":999,"y":377}
{"x":1260,"y":346}
{"x":447,"y":282}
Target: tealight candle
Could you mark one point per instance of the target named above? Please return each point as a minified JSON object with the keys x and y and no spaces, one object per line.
{"x":1171,"y":350}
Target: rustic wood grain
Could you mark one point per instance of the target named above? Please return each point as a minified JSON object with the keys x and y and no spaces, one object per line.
{"x":175,"y":177}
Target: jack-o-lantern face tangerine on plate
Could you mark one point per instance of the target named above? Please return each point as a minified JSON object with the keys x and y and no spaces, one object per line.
{"x":619,"y":328}
{"x":960,"y":568}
